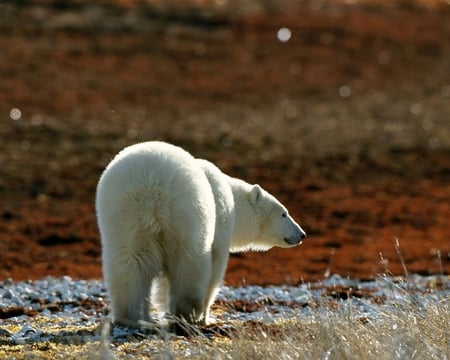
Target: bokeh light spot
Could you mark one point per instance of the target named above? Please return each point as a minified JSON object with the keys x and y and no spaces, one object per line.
{"x":15,"y":114}
{"x":284,"y":34}
{"x":345,"y":91}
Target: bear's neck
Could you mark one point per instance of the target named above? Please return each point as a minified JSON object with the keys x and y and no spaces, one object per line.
{"x":246,"y":227}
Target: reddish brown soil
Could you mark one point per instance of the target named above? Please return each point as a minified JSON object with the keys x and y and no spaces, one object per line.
{"x":357,"y":170}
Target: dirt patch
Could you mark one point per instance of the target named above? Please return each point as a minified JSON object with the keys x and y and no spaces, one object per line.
{"x":347,"y":122}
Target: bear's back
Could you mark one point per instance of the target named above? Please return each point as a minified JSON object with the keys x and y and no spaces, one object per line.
{"x":154,"y":185}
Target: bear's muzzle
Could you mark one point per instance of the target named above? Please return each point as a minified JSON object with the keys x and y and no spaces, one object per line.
{"x":297,"y":239}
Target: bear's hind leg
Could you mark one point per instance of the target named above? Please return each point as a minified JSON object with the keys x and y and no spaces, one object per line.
{"x":189,"y":289}
{"x":129,"y":293}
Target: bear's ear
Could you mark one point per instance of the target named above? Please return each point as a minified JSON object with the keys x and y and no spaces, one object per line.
{"x":255,"y":194}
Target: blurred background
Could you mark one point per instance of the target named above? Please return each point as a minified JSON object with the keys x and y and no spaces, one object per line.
{"x":341,"y":109}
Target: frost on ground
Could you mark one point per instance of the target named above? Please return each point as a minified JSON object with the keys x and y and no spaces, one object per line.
{"x":337,"y":318}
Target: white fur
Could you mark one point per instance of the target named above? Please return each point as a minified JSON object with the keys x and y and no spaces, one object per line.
{"x":168,"y":221}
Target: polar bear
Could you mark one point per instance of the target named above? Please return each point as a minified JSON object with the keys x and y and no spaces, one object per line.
{"x":168,"y":221}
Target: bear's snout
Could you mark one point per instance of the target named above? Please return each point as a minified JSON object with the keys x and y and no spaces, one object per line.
{"x":293,"y":241}
{"x":296,"y":239}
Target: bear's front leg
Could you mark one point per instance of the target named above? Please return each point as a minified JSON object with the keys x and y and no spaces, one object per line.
{"x":219,"y":264}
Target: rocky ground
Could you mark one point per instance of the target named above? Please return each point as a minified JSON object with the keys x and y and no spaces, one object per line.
{"x":341,"y":110}
{"x":60,"y":318}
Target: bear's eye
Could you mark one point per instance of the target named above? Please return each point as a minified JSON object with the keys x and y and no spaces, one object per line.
{"x":284,"y":215}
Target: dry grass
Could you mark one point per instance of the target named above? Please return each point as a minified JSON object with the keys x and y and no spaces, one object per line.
{"x":414,"y":330}
{"x":417,"y":329}
{"x":413,"y":325}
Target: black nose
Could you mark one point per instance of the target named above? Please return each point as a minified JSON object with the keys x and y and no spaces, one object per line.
{"x":302,"y":236}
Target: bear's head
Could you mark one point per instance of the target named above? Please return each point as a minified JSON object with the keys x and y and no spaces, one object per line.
{"x":277,"y":227}
{"x":262,"y":222}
